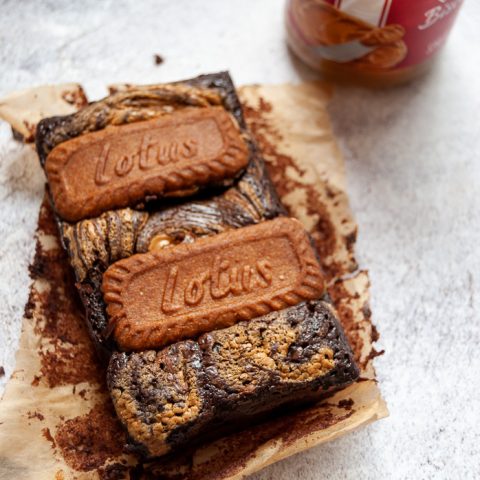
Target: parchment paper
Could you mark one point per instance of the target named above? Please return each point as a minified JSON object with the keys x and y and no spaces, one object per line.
{"x":24,"y":109}
{"x":56,"y":420}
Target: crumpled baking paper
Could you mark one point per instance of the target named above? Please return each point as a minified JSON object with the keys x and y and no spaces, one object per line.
{"x":55,"y":416}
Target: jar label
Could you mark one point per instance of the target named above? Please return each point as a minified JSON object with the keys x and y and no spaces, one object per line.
{"x":376,"y":34}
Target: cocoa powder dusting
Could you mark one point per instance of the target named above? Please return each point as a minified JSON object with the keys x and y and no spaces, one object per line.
{"x":46,"y":221}
{"x":353,"y":329}
{"x":69,"y":357}
{"x":278,"y":163}
{"x":88,"y":441}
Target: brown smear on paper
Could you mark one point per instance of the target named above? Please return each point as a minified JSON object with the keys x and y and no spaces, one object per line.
{"x":56,"y":418}
{"x":59,"y":317}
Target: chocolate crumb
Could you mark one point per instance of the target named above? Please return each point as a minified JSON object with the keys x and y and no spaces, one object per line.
{"x":29,"y":307}
{"x":374,"y":353}
{"x":158,"y":59}
{"x":350,"y":240}
{"x":119,"y":88}
{"x":374,"y":334}
{"x":346,"y":403}
{"x":114,"y":471}
{"x":17,"y":136}
{"x":31,"y":128}
{"x":367,"y":313}
{"x":46,"y":433}
{"x":36,"y":415}
{"x":76,"y":97}
{"x":2,"y":372}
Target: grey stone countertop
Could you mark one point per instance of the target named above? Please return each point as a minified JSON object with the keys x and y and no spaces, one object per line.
{"x":413,"y":163}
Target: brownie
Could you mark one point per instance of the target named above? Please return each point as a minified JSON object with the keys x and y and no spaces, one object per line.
{"x":226,"y":379}
{"x":207,"y":385}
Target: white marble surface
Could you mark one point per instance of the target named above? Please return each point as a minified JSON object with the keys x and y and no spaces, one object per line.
{"x":413,"y":160}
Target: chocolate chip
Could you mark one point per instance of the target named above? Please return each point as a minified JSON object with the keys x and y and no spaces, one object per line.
{"x":158,"y":59}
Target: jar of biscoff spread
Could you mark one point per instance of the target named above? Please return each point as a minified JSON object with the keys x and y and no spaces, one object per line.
{"x":373,"y":42}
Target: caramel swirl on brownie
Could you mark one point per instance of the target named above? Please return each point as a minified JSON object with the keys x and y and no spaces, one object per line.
{"x":163,"y":296}
{"x":122,"y":165}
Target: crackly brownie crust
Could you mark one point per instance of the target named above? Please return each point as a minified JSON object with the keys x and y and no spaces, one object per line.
{"x":228,"y":377}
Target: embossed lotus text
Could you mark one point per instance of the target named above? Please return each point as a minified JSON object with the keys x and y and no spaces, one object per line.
{"x":223,"y":279}
{"x":162,"y":296}
{"x":149,"y":154}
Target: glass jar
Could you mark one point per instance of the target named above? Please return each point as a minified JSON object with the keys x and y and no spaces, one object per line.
{"x":372,"y":42}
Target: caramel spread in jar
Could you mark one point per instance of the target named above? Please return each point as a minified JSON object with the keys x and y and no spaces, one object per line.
{"x":374,"y":42}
